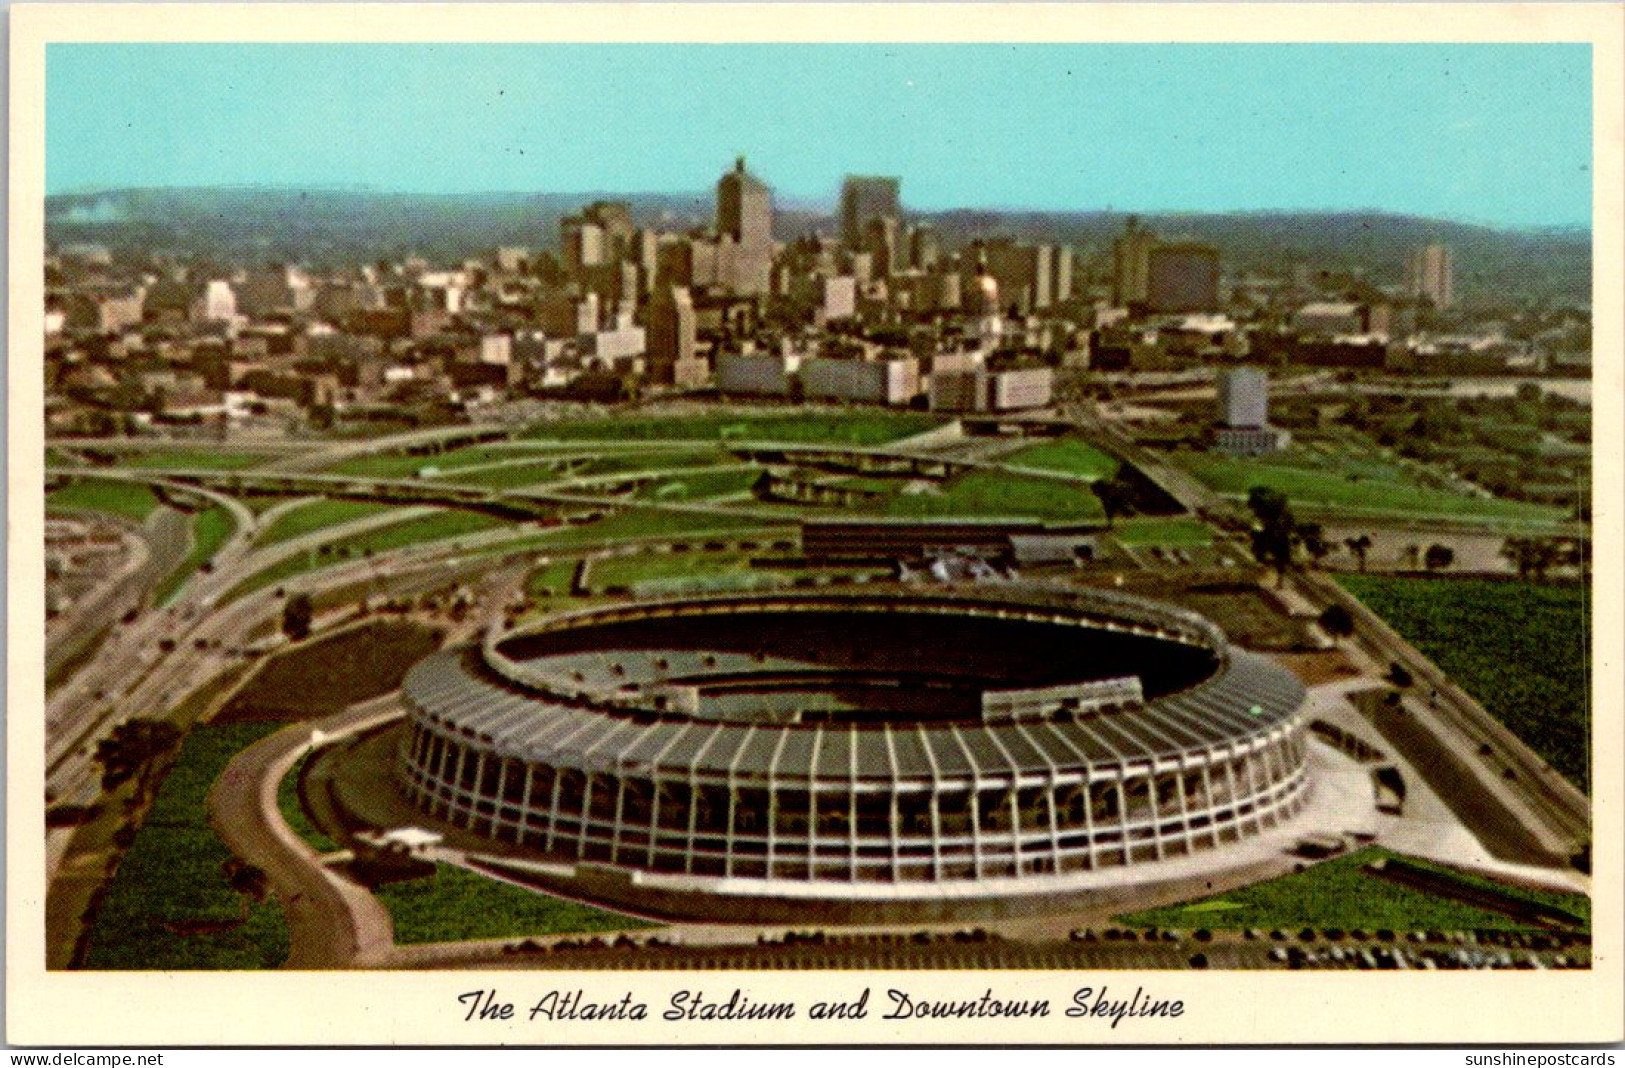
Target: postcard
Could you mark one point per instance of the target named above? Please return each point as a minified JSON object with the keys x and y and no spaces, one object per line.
{"x":814,"y":524}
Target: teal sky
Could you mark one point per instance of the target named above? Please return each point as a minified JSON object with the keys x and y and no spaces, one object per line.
{"x":1498,"y":134}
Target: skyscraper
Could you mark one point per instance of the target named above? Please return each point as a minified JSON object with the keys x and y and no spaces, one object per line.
{"x":744,"y":207}
{"x":1431,"y":275}
{"x":1131,"y":263}
{"x":1243,"y":424}
{"x":671,"y":355}
{"x":745,"y":229}
{"x":1182,"y":278}
{"x":863,"y":200}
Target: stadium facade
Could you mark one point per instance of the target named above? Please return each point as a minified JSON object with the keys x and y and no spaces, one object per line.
{"x":971,"y":742}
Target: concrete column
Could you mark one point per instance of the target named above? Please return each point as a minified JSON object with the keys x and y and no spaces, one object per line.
{"x":654,"y":818}
{"x":1122,"y":815}
{"x":581,"y":822}
{"x":1151,"y":785}
{"x":527,"y":815}
{"x":499,"y":802}
{"x":852,"y":827}
{"x":1088,"y":786}
{"x":936,"y":833}
{"x":553,"y":810}
{"x":1054,"y":827}
{"x":1184,"y":806}
{"x":1018,"y":856}
{"x":976,"y":825}
{"x":812,"y":830}
{"x":894,"y":828}
{"x":693,"y":822}
{"x":1235,"y":794}
{"x":620,"y":807}
{"x":1207,"y":788}
{"x":733,"y":804}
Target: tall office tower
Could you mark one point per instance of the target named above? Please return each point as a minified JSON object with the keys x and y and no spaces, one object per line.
{"x":744,"y":207}
{"x":1131,"y":263}
{"x":1431,"y":275}
{"x":1244,"y":398}
{"x":864,"y":199}
{"x":924,"y":248}
{"x":646,"y":251}
{"x":671,"y":340}
{"x":1025,"y":274}
{"x":1243,"y":424}
{"x":584,"y":243}
{"x":884,"y":247}
{"x":1182,"y":278}
{"x":219,"y":303}
{"x":1062,"y":274}
{"x":614,"y":218}
{"x":745,"y":227}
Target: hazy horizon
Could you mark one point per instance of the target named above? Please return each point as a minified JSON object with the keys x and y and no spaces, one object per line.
{"x":1486,"y":135}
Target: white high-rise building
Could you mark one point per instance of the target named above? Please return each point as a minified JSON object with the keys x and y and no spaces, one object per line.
{"x":1243,"y":417}
{"x":1432,"y":276}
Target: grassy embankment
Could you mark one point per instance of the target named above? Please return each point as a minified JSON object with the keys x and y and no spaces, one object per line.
{"x":1339,"y":894}
{"x":1523,"y":650}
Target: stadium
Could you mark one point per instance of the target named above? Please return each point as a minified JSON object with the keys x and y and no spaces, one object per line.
{"x":931,"y":744}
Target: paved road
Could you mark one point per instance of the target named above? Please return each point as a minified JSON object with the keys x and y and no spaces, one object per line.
{"x":67,"y":636}
{"x":1536,"y":810}
{"x":332,"y":922}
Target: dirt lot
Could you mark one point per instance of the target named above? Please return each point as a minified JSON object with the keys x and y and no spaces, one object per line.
{"x":318,"y":679}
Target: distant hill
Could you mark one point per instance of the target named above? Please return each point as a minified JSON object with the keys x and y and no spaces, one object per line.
{"x":335,"y":227}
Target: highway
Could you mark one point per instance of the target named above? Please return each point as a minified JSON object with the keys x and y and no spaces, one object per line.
{"x":138,"y":672}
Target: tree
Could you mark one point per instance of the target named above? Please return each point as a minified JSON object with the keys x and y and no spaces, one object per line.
{"x":1337,"y":621}
{"x":1531,"y":556}
{"x":1438,"y":557}
{"x":1116,"y":495}
{"x":1276,"y":534}
{"x":297,"y":615}
{"x":1312,"y":536}
{"x":1359,"y":546}
{"x":132,"y":747}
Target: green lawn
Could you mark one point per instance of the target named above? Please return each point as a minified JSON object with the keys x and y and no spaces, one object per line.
{"x":1070,"y":456}
{"x":172,"y":874}
{"x":1523,"y":650}
{"x":441,"y":526}
{"x":1163,"y":532}
{"x":195,"y":459}
{"x":650,"y":460}
{"x":1339,"y":894}
{"x":1320,"y":479}
{"x":504,"y":477}
{"x":132,"y":500}
{"x":701,"y":485}
{"x":995,"y":495}
{"x":551,"y":579}
{"x":287,"y":802}
{"x":649,"y":523}
{"x":650,"y":567}
{"x":456,"y":905}
{"x":317,"y":515}
{"x":210,"y":530}
{"x":383,"y":465}
{"x":856,"y":428}
{"x":400,"y":465}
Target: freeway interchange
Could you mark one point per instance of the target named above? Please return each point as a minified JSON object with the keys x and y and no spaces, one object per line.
{"x":152,"y":664}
